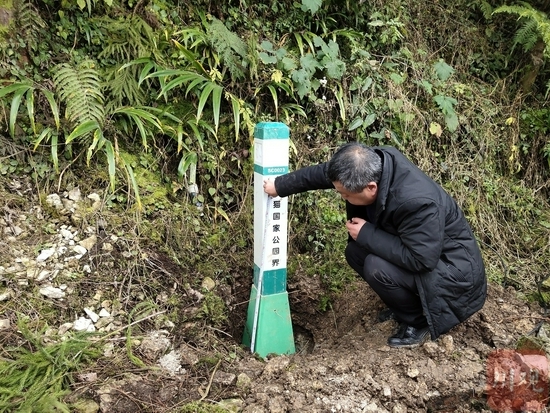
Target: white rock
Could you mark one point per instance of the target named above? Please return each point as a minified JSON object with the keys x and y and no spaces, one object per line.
{"x":63,"y":328}
{"x":74,"y":194}
{"x":87,"y":268}
{"x":88,"y":243}
{"x":45,"y":254}
{"x":412,"y":372}
{"x":104,"y":313}
{"x":171,"y":362}
{"x":94,"y":197}
{"x":80,"y":250}
{"x":65,"y":233}
{"x":107,"y":247}
{"x":44,"y":274}
{"x":90,"y":313}
{"x":83,"y":324}
{"x":52,"y":292}
{"x":4,"y":324}
{"x":54,"y":200}
{"x":6,"y":295}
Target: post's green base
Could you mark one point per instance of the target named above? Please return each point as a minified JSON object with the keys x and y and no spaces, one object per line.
{"x":274,"y":326}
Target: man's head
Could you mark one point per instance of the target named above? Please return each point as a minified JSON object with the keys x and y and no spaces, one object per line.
{"x":355,"y":170}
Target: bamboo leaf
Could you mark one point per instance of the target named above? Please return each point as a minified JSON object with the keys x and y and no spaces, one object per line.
{"x":54,"y":152}
{"x":135,"y":187}
{"x":82,"y":130}
{"x":53,"y":106}
{"x":236,"y":115}
{"x":14,"y":110}
{"x":216,"y":91}
{"x":109,"y":151}
{"x":29,"y":97}
{"x":273,"y":91}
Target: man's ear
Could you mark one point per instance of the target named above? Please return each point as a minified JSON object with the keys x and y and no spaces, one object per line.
{"x":372,"y":187}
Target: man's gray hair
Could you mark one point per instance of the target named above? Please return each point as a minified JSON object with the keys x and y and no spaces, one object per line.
{"x":355,"y":165}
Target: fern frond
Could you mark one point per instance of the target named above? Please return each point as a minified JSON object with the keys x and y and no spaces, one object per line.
{"x":540,"y":19}
{"x":79,"y":88}
{"x":527,"y":35}
{"x":29,"y":22}
{"x":486,"y":9}
{"x":123,"y":88}
{"x":127,"y":39}
{"x":229,"y":46}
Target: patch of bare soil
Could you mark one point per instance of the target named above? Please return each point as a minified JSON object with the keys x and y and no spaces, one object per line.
{"x":342,"y":363}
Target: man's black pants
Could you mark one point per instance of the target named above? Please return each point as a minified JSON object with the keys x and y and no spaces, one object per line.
{"x":395,"y":285}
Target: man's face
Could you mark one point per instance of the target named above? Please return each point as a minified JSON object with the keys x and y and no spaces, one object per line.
{"x":366,"y":197}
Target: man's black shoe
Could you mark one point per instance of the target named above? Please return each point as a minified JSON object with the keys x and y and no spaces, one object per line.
{"x":385,"y":315}
{"x":409,"y":337}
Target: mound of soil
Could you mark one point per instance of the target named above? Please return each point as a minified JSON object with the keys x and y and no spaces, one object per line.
{"x":342,"y":364}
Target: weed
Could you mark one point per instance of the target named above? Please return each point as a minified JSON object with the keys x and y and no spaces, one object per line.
{"x":38,"y":378}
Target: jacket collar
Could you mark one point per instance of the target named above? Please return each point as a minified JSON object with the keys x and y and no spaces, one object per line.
{"x":385,"y":181}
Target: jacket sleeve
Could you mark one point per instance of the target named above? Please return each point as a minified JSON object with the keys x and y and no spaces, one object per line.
{"x":417,"y":246}
{"x":302,"y":180}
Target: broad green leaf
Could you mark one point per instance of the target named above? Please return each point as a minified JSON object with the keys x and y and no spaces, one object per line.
{"x":190,"y":158}
{"x":216,"y":91}
{"x":369,"y":120}
{"x":335,"y":69}
{"x":281,"y":53}
{"x":446,"y":104}
{"x":355,"y":124}
{"x":443,"y":70}
{"x":427,"y":86}
{"x":397,"y":78}
{"x":211,"y":191}
{"x":309,"y":63}
{"x":267,"y":46}
{"x":266,"y":58}
{"x":44,"y":136}
{"x":288,"y":64}
{"x":15,"y":87}
{"x":451,"y":120}
{"x":311,"y":5}
{"x":96,"y":143}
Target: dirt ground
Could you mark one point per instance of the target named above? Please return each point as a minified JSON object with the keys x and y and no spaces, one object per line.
{"x":342,"y":364}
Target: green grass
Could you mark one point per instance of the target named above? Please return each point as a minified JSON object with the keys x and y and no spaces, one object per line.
{"x":36,"y":378}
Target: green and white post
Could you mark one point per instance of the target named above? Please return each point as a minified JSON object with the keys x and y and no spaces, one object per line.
{"x":268,"y":328}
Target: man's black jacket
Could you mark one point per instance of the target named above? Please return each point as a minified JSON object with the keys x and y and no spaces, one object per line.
{"x":418,"y":227}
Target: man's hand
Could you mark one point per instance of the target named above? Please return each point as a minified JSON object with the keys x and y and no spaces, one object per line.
{"x":354,"y":225}
{"x":269,"y":188}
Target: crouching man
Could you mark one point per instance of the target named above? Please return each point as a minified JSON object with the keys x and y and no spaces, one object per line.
{"x":408,"y":238}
